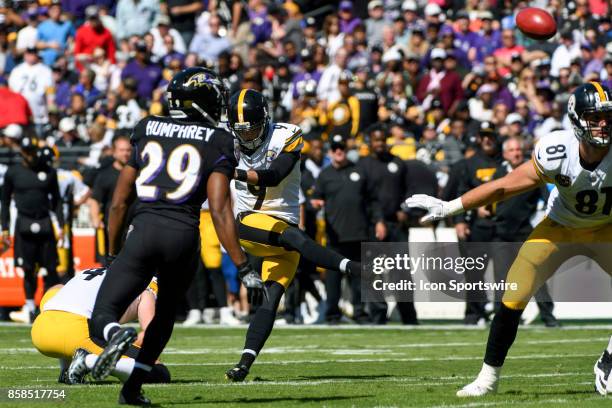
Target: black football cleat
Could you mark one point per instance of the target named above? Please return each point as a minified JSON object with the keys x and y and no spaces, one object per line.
{"x":237,"y":373}
{"x":137,"y":398}
{"x":63,"y":377}
{"x":113,"y":351}
{"x":78,"y":369}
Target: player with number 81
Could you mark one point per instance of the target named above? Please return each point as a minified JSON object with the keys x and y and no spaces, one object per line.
{"x":579,"y":164}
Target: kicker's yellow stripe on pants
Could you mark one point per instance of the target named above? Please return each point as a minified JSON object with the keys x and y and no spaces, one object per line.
{"x":211,"y":248}
{"x":545,"y":250}
{"x":279,"y":265}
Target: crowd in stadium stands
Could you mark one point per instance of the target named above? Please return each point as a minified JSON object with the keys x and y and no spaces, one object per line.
{"x":429,"y":75}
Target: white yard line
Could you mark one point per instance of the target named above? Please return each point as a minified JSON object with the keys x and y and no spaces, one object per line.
{"x":376,"y":349}
{"x":422,"y":327}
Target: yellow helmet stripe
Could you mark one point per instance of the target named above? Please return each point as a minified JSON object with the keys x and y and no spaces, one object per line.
{"x":600,"y":91}
{"x":240,"y":103}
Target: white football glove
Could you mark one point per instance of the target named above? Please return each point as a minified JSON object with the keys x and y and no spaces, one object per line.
{"x":436,"y":209}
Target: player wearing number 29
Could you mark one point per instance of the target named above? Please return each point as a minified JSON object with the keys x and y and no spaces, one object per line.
{"x":267,"y":207}
{"x":579,"y":163}
{"x":177,"y":162}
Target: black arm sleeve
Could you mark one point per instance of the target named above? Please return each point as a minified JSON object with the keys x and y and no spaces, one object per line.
{"x":7,"y":192}
{"x":56,"y":201}
{"x":279,"y":169}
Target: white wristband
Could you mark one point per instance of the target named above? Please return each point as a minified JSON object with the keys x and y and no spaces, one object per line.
{"x":455,"y":207}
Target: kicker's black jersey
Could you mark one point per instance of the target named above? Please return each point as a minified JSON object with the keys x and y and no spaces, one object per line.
{"x":174,"y":160}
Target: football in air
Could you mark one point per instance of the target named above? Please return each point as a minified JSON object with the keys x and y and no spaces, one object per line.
{"x":536,"y":23}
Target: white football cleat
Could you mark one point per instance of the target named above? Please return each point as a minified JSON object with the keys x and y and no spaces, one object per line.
{"x":22,"y":316}
{"x":477,"y":389}
{"x":227,"y":318}
{"x":602,"y":369}
{"x":193,"y":317}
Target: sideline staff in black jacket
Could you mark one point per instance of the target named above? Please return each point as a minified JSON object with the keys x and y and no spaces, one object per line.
{"x":342,"y":189}
{"x":478,"y":226}
{"x":33,"y":185}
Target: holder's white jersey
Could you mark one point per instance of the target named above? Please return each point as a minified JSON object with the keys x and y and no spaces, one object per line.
{"x":280,"y":201}
{"x":78,"y":296}
{"x":582,"y":198}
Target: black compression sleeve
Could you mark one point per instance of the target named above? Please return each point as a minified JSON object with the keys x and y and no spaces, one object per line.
{"x":278,"y":170}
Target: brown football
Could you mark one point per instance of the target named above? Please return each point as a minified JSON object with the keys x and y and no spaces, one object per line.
{"x":536,"y":23}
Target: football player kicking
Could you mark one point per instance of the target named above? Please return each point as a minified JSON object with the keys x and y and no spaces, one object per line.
{"x":578,"y":213}
{"x":61,"y":330}
{"x":177,"y":162}
{"x":267,"y":208}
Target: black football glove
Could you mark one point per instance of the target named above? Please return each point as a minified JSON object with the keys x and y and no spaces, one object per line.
{"x":256,"y":290}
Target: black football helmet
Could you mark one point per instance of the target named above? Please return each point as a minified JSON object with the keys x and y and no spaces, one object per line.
{"x":589,"y":109}
{"x":197,"y":94}
{"x":248,"y":118}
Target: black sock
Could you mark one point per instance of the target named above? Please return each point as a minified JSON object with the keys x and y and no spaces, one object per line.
{"x":135,"y":381}
{"x":247,"y":360}
{"x":257,"y":334}
{"x":293,"y":238}
{"x":501,"y":335}
{"x":353,"y":267}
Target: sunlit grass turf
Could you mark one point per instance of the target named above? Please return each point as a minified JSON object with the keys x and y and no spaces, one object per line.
{"x":343,"y":367}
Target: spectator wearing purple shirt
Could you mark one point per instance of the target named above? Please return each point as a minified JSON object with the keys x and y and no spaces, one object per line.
{"x":466,"y":40}
{"x":309,"y":74}
{"x":261,"y":26}
{"x":490,"y":39}
{"x":348,"y":21}
{"x":590,"y":63}
{"x":77,"y":8}
{"x":146,"y":74}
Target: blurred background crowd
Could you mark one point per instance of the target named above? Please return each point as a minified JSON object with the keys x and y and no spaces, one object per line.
{"x":437,"y":90}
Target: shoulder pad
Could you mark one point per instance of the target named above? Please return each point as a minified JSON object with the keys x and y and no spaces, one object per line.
{"x":139,"y":130}
{"x":292,"y":134}
{"x":550,"y":152}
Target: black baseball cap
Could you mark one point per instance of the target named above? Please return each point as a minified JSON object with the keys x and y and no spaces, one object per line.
{"x":337,"y":142}
{"x":487,"y":129}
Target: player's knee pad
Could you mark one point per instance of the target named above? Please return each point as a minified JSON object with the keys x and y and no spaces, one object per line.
{"x":159,"y":374}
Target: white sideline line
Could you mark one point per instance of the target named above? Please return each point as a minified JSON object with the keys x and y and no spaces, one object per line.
{"x":380,"y":348}
{"x":408,"y":380}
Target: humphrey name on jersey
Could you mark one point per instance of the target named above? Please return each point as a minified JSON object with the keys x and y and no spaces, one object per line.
{"x":168,"y":129}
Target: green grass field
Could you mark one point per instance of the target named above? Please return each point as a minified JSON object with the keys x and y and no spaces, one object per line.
{"x":340,"y":367}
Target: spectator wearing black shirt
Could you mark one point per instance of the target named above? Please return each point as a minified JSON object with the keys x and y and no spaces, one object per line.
{"x":183,"y":15}
{"x":478,"y":226}
{"x":343,"y":190}
{"x":513,"y":225}
{"x":103,"y":188}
